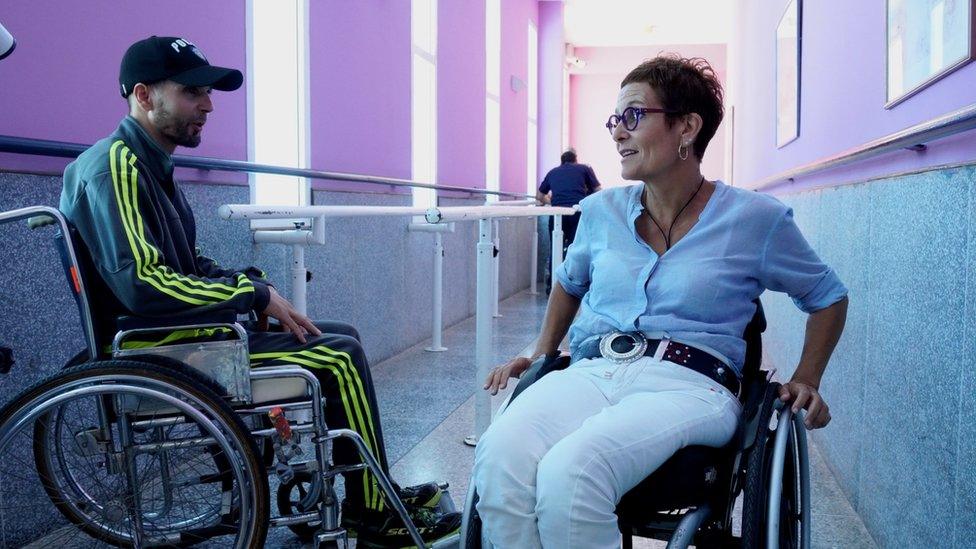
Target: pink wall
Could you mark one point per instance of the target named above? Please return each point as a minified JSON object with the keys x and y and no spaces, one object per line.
{"x":516,"y":15}
{"x":61,"y":82}
{"x":842,"y":94}
{"x":593,"y":96}
{"x":461,"y":94}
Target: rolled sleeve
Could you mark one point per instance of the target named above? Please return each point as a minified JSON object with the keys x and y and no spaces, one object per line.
{"x":573,"y":274}
{"x":790,"y":265}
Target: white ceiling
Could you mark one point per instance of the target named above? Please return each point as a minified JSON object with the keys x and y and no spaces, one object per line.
{"x":647,"y":22}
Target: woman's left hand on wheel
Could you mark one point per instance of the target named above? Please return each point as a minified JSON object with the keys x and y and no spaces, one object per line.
{"x":805,"y":395}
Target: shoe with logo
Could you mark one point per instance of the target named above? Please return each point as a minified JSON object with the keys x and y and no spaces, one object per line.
{"x":385,"y":529}
{"x":427,"y":494}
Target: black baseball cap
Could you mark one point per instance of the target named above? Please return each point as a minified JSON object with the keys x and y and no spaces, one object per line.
{"x":160,"y":58}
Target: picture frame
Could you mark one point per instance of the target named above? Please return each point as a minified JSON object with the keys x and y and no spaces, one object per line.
{"x":788,"y":55}
{"x":925,"y":40}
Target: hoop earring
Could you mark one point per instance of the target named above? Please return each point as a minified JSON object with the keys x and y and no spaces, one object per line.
{"x":683,"y":148}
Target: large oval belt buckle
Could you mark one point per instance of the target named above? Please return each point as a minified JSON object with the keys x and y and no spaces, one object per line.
{"x":623,"y":347}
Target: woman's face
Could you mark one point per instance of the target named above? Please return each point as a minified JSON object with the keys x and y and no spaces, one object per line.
{"x":651,"y":148}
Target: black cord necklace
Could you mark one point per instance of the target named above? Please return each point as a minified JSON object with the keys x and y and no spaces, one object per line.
{"x":667,"y":237}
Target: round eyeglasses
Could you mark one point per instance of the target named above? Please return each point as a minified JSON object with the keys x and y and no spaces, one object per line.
{"x":632,"y":116}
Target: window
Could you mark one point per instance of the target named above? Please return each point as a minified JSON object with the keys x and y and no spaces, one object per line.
{"x":493,"y":40}
{"x":423,"y":24}
{"x":278,"y":99}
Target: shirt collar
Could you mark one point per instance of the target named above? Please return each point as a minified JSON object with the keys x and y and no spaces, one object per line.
{"x":149,"y":152}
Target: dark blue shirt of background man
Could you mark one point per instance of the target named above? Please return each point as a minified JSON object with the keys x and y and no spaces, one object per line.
{"x":566,"y":185}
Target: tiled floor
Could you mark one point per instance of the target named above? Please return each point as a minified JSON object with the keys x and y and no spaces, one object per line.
{"x":427,"y":405}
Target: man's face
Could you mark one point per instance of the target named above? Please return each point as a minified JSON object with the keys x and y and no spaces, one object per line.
{"x":179,"y":112}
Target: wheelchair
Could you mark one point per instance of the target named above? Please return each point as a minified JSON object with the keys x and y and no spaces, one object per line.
{"x":168,"y":445}
{"x":691,"y":498}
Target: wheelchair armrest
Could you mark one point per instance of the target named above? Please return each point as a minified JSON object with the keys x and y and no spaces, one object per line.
{"x":540,"y":367}
{"x":221,"y":316}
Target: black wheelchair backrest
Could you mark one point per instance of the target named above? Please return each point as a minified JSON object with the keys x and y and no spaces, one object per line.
{"x":101,"y":328}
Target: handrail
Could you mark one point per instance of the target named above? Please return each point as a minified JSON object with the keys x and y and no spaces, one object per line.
{"x":911,"y":138}
{"x":44,"y":147}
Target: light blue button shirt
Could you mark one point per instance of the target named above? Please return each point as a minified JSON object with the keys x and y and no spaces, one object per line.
{"x":701,"y":290}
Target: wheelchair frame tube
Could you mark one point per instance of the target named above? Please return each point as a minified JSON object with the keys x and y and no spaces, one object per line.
{"x":685,"y":532}
{"x":801,"y":445}
{"x":21,"y":213}
{"x":382,"y":479}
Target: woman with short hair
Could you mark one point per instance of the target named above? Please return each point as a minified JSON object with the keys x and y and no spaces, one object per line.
{"x":663,"y":274}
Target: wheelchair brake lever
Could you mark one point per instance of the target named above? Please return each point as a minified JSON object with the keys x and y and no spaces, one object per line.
{"x":6,"y":359}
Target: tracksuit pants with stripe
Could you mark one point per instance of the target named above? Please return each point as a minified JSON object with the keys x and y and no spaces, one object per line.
{"x":338,"y":361}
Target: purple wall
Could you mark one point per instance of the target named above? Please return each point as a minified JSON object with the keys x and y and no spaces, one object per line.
{"x":593,"y":95}
{"x":61,"y":83}
{"x":842,"y":94}
{"x":551,"y":61}
{"x":461,"y":93}
{"x":59,"y":86}
{"x":516,"y":15}
{"x":360,"y":88}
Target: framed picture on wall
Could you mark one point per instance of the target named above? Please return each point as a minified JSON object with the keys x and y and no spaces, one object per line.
{"x":788,"y":74}
{"x":926,"y":40}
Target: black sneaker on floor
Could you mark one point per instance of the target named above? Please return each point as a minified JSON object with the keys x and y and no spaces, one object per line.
{"x":385,"y":529}
{"x":422,"y":495}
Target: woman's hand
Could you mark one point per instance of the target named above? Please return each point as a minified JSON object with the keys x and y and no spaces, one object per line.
{"x":805,"y":395}
{"x":498,"y":377}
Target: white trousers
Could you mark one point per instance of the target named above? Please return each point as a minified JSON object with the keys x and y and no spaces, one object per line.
{"x":551,"y":468}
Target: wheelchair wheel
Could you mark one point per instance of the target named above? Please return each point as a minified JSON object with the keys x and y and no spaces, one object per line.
{"x":302,"y":495}
{"x":128,"y":454}
{"x":755,"y":508}
{"x":472,"y":533}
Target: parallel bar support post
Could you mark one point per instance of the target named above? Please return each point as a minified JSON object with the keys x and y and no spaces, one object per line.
{"x":557,"y":246}
{"x":298,"y":279}
{"x":497,"y":241}
{"x":438,"y":321}
{"x":534,"y":257}
{"x":482,"y":401}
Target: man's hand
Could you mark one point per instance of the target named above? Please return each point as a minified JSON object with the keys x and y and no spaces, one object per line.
{"x":498,"y":378}
{"x":805,"y":395}
{"x":290,"y":319}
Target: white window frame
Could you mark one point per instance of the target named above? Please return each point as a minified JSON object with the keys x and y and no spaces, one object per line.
{"x":423,"y":102}
{"x":532,"y":127}
{"x":493,"y":103}
{"x":259,"y":183}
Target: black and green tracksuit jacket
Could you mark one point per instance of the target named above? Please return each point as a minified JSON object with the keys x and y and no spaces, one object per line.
{"x":139,"y":230}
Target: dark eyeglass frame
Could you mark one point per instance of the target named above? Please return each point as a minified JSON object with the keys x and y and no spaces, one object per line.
{"x":639,"y":112}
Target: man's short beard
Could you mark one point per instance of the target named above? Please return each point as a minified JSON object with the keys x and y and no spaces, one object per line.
{"x":177,"y":131}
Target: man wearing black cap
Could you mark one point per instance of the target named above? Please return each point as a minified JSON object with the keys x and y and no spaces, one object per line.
{"x":137,"y":224}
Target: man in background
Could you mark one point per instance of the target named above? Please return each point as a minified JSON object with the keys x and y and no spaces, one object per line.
{"x":566,"y":185}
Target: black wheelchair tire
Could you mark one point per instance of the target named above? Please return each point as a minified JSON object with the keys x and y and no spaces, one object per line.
{"x":189,"y":384}
{"x":756,"y":491}
{"x":473,"y":538}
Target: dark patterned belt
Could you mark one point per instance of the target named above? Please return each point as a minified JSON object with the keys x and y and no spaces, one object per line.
{"x":626,"y":347}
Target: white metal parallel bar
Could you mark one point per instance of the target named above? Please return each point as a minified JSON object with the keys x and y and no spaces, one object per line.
{"x":461,"y":213}
{"x":482,"y":401}
{"x":534,"y":256}
{"x":557,"y":246}
{"x":433,"y":215}
{"x":495,"y":260}
{"x":438,"y":320}
{"x":299,"y":279}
